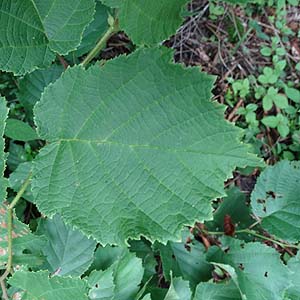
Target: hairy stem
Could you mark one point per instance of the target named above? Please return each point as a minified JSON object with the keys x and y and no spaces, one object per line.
{"x":10,"y":230}
{"x":113,"y":28}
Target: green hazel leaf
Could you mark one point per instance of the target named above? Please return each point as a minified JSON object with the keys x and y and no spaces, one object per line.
{"x":104,"y":257}
{"x":32,"y":85}
{"x":179,"y":290}
{"x":147,"y":297}
{"x":102,"y":285}
{"x":275,"y":200}
{"x":260,"y":272}
{"x":68,"y":251}
{"x":27,"y":247}
{"x":281,"y":101}
{"x":293,"y":94}
{"x":39,"y":285}
{"x":270,"y":121}
{"x":119,"y":282}
{"x":135,"y":148}
{"x":3,"y":117}
{"x":149,"y":22}
{"x":17,"y":178}
{"x":293,"y":292}
{"x":20,"y":131}
{"x":190,"y":264}
{"x":143,"y":249}
{"x":235,"y":206}
{"x":39,"y":28}
{"x":217,"y":291}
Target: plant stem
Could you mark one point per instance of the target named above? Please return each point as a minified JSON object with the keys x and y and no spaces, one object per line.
{"x":10,"y":230}
{"x":114,"y":27}
{"x":254,"y":233}
{"x":20,"y":193}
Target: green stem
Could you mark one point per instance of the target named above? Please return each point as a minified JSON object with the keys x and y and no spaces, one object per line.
{"x":21,"y":192}
{"x":254,"y":233}
{"x":113,"y":28}
{"x":10,"y":230}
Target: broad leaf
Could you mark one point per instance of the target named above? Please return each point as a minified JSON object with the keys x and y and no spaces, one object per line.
{"x":275,"y":200}
{"x":136,"y":148}
{"x":150,"y":22}
{"x":112,"y":3}
{"x":214,"y":291}
{"x":35,"y":29}
{"x":38,"y":285}
{"x":119,"y":282}
{"x":68,"y":251}
{"x":259,"y":270}
{"x":3,"y":116}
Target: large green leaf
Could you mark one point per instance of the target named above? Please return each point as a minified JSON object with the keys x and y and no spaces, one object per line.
{"x":150,"y":22}
{"x":68,"y":251}
{"x":39,"y":286}
{"x":275,"y":200}
{"x":33,"y":30}
{"x":260,"y":274}
{"x":3,"y":116}
{"x":136,"y":148}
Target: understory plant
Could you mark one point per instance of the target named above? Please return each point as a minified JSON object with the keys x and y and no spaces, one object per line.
{"x":112,"y":171}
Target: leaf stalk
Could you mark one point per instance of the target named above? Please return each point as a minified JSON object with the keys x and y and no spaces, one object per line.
{"x":113,"y":28}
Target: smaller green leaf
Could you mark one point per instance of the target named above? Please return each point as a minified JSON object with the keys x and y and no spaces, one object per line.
{"x":39,"y":286}
{"x":217,"y":291}
{"x":266,"y":51}
{"x":281,"y":101}
{"x":283,"y":129}
{"x":275,"y":200}
{"x":119,"y":282}
{"x":270,"y":121}
{"x":257,"y":268}
{"x":179,"y":290}
{"x":267,"y":102}
{"x":20,"y":131}
{"x":293,"y":292}
{"x":293,"y":94}
{"x":68,"y":251}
